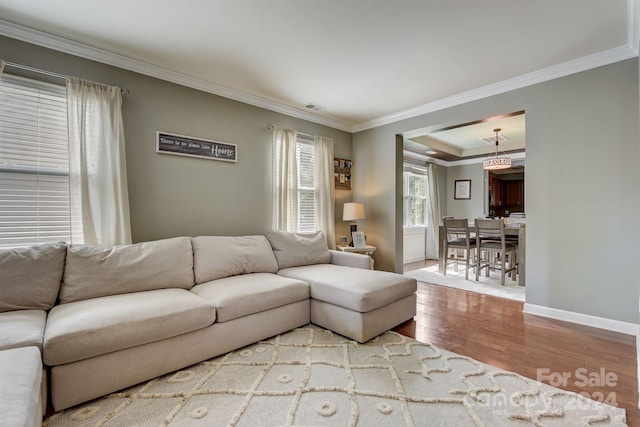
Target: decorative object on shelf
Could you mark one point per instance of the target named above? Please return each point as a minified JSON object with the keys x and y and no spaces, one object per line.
{"x":353,"y":212}
{"x":359,"y":239}
{"x":180,"y":145}
{"x":497,"y":162}
{"x":462,"y":189}
{"x":342,"y":173}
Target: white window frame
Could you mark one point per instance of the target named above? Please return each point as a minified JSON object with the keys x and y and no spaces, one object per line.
{"x":408,"y":198}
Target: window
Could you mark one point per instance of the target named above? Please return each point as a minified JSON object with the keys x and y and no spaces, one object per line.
{"x":303,"y":179}
{"x":306,"y":159}
{"x":34,"y":170}
{"x":415,"y":200}
{"x":305,"y":182}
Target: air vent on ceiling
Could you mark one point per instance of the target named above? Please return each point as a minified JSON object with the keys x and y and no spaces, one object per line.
{"x":314,"y":107}
{"x":492,"y":139}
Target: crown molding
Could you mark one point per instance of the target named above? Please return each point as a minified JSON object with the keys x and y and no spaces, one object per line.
{"x":411,"y":155}
{"x":61,"y":44}
{"x":631,"y":50}
{"x":550,"y":73}
{"x":406,"y":154}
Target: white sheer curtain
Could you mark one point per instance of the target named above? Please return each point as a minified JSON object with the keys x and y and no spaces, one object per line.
{"x":285,"y":180}
{"x":97,"y":166}
{"x":287,"y":204}
{"x":433,"y":210}
{"x":325,"y":201}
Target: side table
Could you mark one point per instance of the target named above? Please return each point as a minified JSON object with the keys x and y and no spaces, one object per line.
{"x":367,"y":250}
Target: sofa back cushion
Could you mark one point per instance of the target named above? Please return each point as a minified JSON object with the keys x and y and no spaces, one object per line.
{"x":296,"y":249}
{"x":215,"y":257}
{"x":30,"y":277}
{"x":93,"y":271}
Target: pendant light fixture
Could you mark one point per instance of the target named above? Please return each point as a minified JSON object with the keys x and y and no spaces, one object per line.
{"x":497,"y":162}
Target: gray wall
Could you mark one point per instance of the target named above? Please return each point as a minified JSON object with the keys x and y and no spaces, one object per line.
{"x":473,"y":207}
{"x":173,"y":195}
{"x":582,"y":173}
{"x":582,"y":185}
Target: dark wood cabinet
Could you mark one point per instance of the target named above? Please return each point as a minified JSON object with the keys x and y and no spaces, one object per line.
{"x":507,"y":194}
{"x":495,"y":187}
{"x":514,"y":194}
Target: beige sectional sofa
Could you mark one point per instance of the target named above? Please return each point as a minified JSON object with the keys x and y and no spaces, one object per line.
{"x":103,"y":319}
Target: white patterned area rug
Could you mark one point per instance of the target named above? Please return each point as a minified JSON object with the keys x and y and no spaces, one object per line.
{"x":312,"y":377}
{"x":485,"y":285}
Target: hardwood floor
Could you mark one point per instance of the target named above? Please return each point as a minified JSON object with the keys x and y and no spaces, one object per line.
{"x":600,"y":364}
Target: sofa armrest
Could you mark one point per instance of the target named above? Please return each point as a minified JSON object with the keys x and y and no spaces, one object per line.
{"x":350,"y":259}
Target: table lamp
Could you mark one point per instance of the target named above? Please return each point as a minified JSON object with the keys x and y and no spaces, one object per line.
{"x":353,"y":212}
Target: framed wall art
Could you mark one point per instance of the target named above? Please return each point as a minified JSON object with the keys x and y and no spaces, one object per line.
{"x":462,"y":189}
{"x":181,"y":145}
{"x":342,"y":173}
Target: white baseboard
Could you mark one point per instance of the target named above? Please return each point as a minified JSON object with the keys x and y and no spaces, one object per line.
{"x":638,"y":356}
{"x":582,"y":319}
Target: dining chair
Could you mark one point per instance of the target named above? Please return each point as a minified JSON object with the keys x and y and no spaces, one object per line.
{"x":492,"y":241}
{"x":458,"y":238}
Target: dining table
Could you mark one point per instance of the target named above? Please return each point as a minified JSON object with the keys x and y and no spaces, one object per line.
{"x":518,"y":230}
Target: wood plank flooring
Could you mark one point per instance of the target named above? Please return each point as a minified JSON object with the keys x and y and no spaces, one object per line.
{"x":600,"y":364}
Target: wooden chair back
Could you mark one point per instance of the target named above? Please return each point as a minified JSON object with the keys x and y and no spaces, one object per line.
{"x":458,"y":228}
{"x":489,"y":229}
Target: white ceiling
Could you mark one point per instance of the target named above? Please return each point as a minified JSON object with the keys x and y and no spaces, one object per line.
{"x":465,"y":141}
{"x":367,"y":62}
{"x":511,"y":131}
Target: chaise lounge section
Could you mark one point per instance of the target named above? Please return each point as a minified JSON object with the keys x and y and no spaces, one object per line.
{"x":358,"y":303}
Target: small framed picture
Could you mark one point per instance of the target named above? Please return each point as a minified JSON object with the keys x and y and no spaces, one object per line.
{"x":359,"y":240}
{"x":462,"y":190}
{"x":342,"y":173}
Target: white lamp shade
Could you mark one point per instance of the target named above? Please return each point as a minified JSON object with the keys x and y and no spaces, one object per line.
{"x":495,"y":163}
{"x":353,"y":211}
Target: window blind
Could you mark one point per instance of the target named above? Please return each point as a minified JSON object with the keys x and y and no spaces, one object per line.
{"x":34,"y":169}
{"x":305,"y":153}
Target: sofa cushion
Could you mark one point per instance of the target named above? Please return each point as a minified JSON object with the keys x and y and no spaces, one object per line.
{"x":30,"y":277}
{"x":83,"y":329}
{"x":353,"y":288}
{"x":239,"y":296}
{"x":294,"y":249}
{"x":92,"y":271}
{"x":22,"y":328}
{"x":20,"y":387}
{"x":215,"y":257}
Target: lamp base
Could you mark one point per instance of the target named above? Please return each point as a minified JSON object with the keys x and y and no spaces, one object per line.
{"x":353,"y":227}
